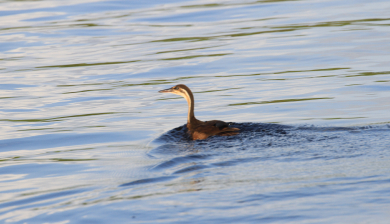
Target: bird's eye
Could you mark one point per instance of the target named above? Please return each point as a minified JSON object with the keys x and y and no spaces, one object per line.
{"x":177,"y":88}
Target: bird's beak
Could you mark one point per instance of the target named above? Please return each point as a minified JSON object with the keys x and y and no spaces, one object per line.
{"x":165,"y":90}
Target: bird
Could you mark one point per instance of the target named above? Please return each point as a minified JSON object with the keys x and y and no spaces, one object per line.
{"x":200,"y":130}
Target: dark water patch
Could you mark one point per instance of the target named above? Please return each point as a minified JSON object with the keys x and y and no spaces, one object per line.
{"x":87,"y":64}
{"x":234,"y":162}
{"x":174,"y":135}
{"x":57,"y":118}
{"x":312,"y":70}
{"x":342,"y":118}
{"x":191,"y":169}
{"x":181,"y":50}
{"x":218,"y":37}
{"x":248,"y":131}
{"x":281,"y":101}
{"x":179,"y":160}
{"x":361,"y":22}
{"x":88,"y":90}
{"x":369,"y":74}
{"x":183,"y":39}
{"x":179,"y":133}
{"x":177,"y":141}
{"x":195,"y":56}
{"x":281,"y":217}
{"x":148,"y":181}
{"x":263,"y":142}
{"x":325,"y":129}
{"x":329,"y":157}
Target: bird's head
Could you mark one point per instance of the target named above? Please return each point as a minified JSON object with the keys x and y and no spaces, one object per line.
{"x":180,"y":89}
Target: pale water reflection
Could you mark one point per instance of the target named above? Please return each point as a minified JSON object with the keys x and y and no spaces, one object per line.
{"x":85,"y":137}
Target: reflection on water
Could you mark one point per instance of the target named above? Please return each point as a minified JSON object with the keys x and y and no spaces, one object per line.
{"x":82,"y":125}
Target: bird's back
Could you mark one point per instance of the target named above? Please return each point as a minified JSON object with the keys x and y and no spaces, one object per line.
{"x":203,"y":130}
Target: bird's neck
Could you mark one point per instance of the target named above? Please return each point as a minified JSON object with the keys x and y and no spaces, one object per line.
{"x":191,"y":105}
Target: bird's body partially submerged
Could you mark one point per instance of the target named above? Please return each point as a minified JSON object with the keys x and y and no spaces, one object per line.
{"x":200,"y":129}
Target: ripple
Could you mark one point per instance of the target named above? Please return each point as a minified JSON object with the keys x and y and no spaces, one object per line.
{"x":147,"y":181}
{"x":79,"y":105}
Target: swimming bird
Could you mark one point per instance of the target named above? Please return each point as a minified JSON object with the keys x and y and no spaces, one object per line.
{"x":197,"y":129}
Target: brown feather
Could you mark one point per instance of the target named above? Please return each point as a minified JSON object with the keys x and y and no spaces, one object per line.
{"x":197,"y":129}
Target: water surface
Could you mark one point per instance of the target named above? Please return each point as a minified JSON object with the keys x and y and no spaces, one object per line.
{"x":86,"y":137}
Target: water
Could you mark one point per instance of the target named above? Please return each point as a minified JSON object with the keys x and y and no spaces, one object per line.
{"x":86,"y":137}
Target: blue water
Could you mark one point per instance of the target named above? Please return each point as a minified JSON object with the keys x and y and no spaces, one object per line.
{"x":85,"y":137}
